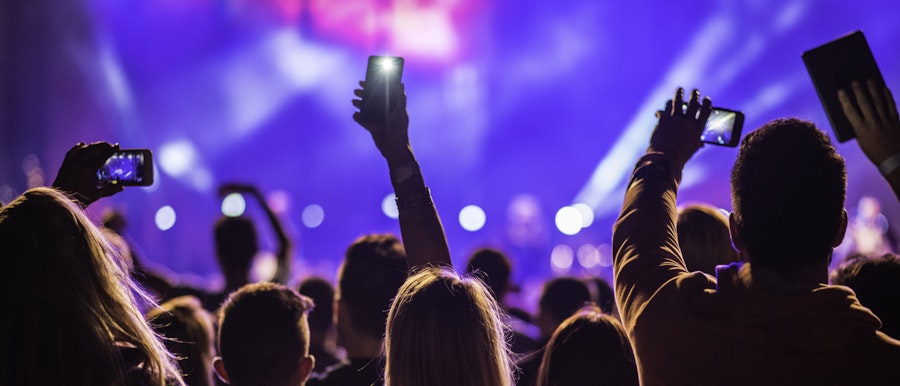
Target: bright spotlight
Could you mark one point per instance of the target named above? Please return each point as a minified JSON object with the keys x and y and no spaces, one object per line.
{"x":165,"y":218}
{"x":387,"y":64}
{"x":562,"y":257}
{"x":587,"y":214}
{"x":472,"y":218}
{"x":569,"y":220}
{"x":389,"y":206}
{"x":233,"y":205}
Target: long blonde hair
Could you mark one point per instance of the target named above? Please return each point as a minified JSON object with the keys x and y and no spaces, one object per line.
{"x":444,"y":329}
{"x":75,"y":316}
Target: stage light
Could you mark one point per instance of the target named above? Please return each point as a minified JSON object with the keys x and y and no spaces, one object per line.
{"x":588,"y":256}
{"x":233,"y":205}
{"x":389,"y":206}
{"x":313,"y":216}
{"x":569,"y":221}
{"x":587,"y":214}
{"x":165,"y":218}
{"x":472,"y":218}
{"x":386,"y":64}
{"x":177,"y":158}
{"x":561,"y":258}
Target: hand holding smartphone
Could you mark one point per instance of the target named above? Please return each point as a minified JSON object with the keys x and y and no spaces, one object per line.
{"x":723,"y":127}
{"x":383,"y":75}
{"x":132,"y":167}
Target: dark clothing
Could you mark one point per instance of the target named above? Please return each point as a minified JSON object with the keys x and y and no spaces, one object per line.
{"x":356,"y":372}
{"x":529,"y":366}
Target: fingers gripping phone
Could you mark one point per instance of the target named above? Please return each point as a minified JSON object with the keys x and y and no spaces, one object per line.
{"x":382,"y":79}
{"x":132,"y":167}
{"x":723,"y":127}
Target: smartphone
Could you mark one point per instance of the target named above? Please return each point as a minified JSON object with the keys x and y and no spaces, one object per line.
{"x":723,"y":127}
{"x":133,"y":167}
{"x":835,"y":66}
{"x":382,"y":77}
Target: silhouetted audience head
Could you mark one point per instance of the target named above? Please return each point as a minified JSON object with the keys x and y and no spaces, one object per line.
{"x":602,"y":295}
{"x":236,"y":243}
{"x":876,"y":282}
{"x":493,"y":268}
{"x":321,"y":320}
{"x":788,"y":188}
{"x":374,"y":268}
{"x":589,"y":348}
{"x":561,"y":297}
{"x":187,"y":330}
{"x":264,"y":336}
{"x":76,"y":321}
{"x":704,"y":238}
{"x":444,"y":329}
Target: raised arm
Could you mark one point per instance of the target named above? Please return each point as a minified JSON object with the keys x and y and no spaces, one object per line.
{"x":420,"y":225}
{"x":877,"y":127}
{"x":77,"y":176}
{"x":283,"y":250}
{"x":645,"y":244}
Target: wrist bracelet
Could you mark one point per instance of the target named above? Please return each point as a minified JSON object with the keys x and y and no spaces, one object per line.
{"x":889,"y":165}
{"x":403,"y":172}
{"x":421,"y":198}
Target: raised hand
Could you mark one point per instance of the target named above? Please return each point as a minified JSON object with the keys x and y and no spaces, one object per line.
{"x":391,"y":137}
{"x":78,"y":173}
{"x":677,"y":135}
{"x":875,"y":122}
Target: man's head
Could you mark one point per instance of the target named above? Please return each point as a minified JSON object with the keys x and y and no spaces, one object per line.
{"x":788,"y":187}
{"x":321,"y":318}
{"x":876,"y":282}
{"x":264,"y":337}
{"x":560,"y":299}
{"x":374,"y":268}
{"x":493,"y":267}
{"x":235,"y":243}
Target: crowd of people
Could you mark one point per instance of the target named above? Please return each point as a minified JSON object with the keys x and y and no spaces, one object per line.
{"x":699,"y":297}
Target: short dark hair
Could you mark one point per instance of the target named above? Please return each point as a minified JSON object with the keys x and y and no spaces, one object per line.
{"x":263,"y":333}
{"x":235,"y":243}
{"x":373,"y":271}
{"x":563,"y":296}
{"x":321,"y":318}
{"x":788,"y":187}
{"x":493,"y":268}
{"x":876,"y":282}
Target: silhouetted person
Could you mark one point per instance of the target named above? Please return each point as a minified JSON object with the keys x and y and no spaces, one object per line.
{"x":494,"y":269}
{"x":561,"y":298}
{"x":264,"y":337}
{"x":772,"y":320}
{"x":373,"y":270}
{"x":602,"y":295}
{"x":321,"y":322}
{"x":589,"y":348}
{"x":876,"y":282}
{"x":704,"y":238}
{"x":71,"y":317}
{"x":187,"y":331}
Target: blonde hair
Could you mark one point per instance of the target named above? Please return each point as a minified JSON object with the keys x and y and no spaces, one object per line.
{"x":76,"y":317}
{"x":704,"y":238}
{"x":444,"y":329}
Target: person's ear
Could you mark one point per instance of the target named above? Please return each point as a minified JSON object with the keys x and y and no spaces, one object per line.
{"x":736,"y":238}
{"x":839,"y":238}
{"x":306,"y":366}
{"x":219,"y":366}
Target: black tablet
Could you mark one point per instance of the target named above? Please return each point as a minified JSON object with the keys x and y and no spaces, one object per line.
{"x":835,"y":66}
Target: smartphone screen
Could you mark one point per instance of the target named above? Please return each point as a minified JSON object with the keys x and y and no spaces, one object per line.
{"x":127,"y":167}
{"x":723,"y":127}
{"x":382,"y":77}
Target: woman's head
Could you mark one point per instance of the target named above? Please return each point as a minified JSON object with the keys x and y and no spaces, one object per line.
{"x":444,"y":329}
{"x":188,"y":332}
{"x":73,"y":299}
{"x":588,"y":348}
{"x":704,"y":238}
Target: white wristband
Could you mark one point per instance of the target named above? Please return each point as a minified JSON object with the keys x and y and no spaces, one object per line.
{"x":889,"y":165}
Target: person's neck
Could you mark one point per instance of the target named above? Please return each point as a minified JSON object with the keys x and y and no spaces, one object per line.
{"x":362,"y":347}
{"x":805,"y":276}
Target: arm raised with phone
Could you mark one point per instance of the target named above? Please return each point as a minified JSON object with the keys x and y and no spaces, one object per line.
{"x":420,"y":225}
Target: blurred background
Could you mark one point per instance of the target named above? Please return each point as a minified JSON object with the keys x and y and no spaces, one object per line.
{"x":526,"y":116}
